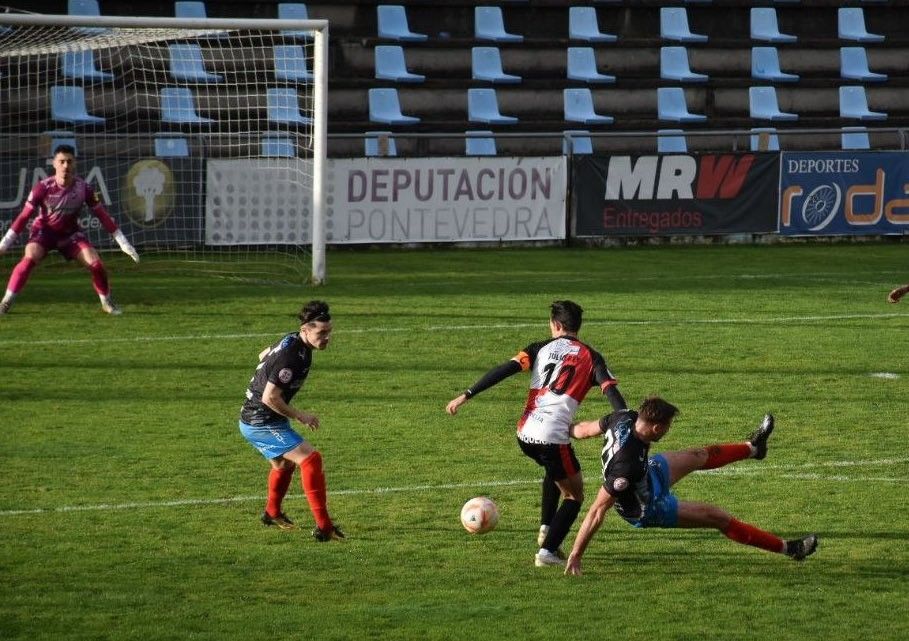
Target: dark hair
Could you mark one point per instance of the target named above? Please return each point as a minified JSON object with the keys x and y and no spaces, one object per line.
{"x":315,"y":311}
{"x":567,"y":313}
{"x":65,"y":149}
{"x":656,"y":410}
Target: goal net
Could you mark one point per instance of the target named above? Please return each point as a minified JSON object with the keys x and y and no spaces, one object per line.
{"x":205,"y":138}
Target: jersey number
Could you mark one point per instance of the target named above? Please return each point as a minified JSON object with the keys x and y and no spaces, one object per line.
{"x":562,"y":380}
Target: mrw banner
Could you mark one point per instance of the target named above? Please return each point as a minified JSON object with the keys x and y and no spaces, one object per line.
{"x":677,"y":194}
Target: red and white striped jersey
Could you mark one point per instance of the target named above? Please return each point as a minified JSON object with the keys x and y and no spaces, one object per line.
{"x":562,"y":371}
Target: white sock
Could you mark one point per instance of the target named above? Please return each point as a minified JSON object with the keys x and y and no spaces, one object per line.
{"x":8,"y":296}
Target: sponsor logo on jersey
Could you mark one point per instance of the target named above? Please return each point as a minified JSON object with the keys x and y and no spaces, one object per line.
{"x":285,"y":375}
{"x":620,"y":484}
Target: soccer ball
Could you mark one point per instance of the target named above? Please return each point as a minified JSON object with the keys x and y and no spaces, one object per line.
{"x":479,"y":515}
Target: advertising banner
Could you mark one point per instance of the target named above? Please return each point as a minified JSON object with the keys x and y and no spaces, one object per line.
{"x":677,"y":194}
{"x":838,"y":193}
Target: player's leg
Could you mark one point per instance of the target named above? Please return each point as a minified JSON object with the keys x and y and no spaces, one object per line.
{"x":272,"y":441}
{"x":312,"y":478}
{"x":563,"y":467}
{"x":279,"y":478}
{"x":86,"y":254}
{"x":32,"y":256}
{"x":549,"y":503}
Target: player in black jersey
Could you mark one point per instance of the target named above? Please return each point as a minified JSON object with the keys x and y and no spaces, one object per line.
{"x":638,"y":485}
{"x":264,"y":420}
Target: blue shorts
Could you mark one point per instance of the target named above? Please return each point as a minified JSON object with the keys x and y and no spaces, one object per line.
{"x":663,"y":508}
{"x":272,"y":440}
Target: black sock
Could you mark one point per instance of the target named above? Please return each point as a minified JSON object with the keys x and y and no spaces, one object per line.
{"x":550,"y":500}
{"x":561,"y":524}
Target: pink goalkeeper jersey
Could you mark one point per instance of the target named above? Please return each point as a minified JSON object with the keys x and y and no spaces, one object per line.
{"x":59,"y":207}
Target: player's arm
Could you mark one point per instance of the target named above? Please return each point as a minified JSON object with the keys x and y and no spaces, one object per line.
{"x":494,"y":376}
{"x":592,"y":522}
{"x":109,"y":224}
{"x":9,"y":238}
{"x":271,"y":396}
{"x":608,"y":383}
{"x":585,"y":429}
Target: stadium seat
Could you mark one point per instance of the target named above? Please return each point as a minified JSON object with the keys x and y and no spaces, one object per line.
{"x":277,"y":146}
{"x":171,"y":147}
{"x":674,"y":66}
{"x":764,"y":26}
{"x":854,"y":104}
{"x":763,"y":105}
{"x":578,"y":106}
{"x":583,"y":25}
{"x":765,"y":65}
{"x":671,"y":144}
{"x":671,"y":106}
{"x":479,"y":143}
{"x":674,"y":26}
{"x":85,"y":8}
{"x":767,"y":136}
{"x":186,"y":64}
{"x":379,"y":143}
{"x":61,"y":138}
{"x":582,"y":65}
{"x":855,"y":138}
{"x":68,"y":105}
{"x":80,"y":65}
{"x":486,"y":64}
{"x":392,"y":21}
{"x":483,"y":106}
{"x":293,"y":11}
{"x":290,"y":64}
{"x":190,"y":9}
{"x":576,"y":142}
{"x":390,"y":65}
{"x":385,"y":107}
{"x":284,"y":107}
{"x":488,"y":24}
{"x":178,"y":107}
{"x":854,"y":66}
{"x":851,"y":26}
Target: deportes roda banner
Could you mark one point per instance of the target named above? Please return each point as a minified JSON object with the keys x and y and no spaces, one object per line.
{"x":838,"y":193}
{"x":678,"y":194}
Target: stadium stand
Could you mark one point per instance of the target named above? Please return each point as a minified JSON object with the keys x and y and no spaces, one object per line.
{"x":68,"y":105}
{"x":294,"y":11}
{"x":171,"y":147}
{"x":581,"y":64}
{"x":483,"y":106}
{"x":764,"y":139}
{"x":393,"y":24}
{"x":674,"y":66}
{"x":379,"y":143}
{"x":290,"y":64}
{"x":186,"y":64}
{"x":584,"y":25}
{"x":80,"y":65}
{"x":765,"y":65}
{"x":486,"y":65}
{"x":178,"y":107}
{"x":190,"y":9}
{"x":671,"y":141}
{"x":577,"y":141}
{"x":855,"y":138}
{"x":391,"y":65}
{"x":764,"y":105}
{"x":764,"y":26}
{"x":674,"y":26}
{"x":479,"y":143}
{"x":490,"y":25}
{"x":385,"y":107}
{"x":284,"y":107}
{"x":851,"y":26}
{"x":854,"y":104}
{"x":854,"y":66}
{"x":277,"y":145}
{"x":578,"y":107}
{"x":672,"y":106}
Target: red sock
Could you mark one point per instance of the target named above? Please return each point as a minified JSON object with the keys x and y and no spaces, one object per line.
{"x":20,"y":274}
{"x":278,"y":481}
{"x":99,"y":278}
{"x":720,"y":455}
{"x":313,"y":480}
{"x":749,"y":535}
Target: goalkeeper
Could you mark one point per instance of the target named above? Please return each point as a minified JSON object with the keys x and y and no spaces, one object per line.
{"x":59,"y":201}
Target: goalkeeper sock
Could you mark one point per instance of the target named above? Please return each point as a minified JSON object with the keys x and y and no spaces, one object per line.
{"x":720,"y":455}
{"x":99,"y":278}
{"x":20,"y":275}
{"x":313,"y":480}
{"x":278,"y":481}
{"x":749,"y":535}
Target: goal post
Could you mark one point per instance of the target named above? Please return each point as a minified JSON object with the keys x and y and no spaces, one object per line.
{"x":206,"y":137}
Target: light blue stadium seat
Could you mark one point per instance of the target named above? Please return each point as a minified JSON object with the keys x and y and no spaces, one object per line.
{"x":581,"y":64}
{"x":765,"y":65}
{"x":293,"y":11}
{"x":763,"y":105}
{"x":80,"y":65}
{"x":672,"y":141}
{"x":291,"y":64}
{"x":284,"y":107}
{"x":671,"y":106}
{"x":576,"y":142}
{"x":674,"y":26}
{"x":486,"y":64}
{"x":61,"y":138}
{"x":772,"y":139}
{"x":385,"y":107}
{"x":674,"y":66}
{"x":578,"y":107}
{"x":190,"y":9}
{"x":584,"y":25}
{"x":483,"y":106}
{"x":390,"y":65}
{"x":379,"y":143}
{"x":68,"y":105}
{"x":392,"y":22}
{"x":276,"y":145}
{"x":855,"y":138}
{"x":854,"y":66}
{"x":479,"y":143}
{"x":171,"y":147}
{"x":178,"y":107}
{"x":851,"y":26}
{"x":85,"y":8}
{"x":186,"y":64}
{"x":488,"y":24}
{"x":764,"y":26}
{"x":854,"y":104}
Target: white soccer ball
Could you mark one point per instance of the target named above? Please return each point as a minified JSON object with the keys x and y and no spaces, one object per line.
{"x":479,"y":515}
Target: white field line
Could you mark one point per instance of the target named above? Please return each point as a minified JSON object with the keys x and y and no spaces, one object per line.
{"x":473,"y":328}
{"x":485,"y":484}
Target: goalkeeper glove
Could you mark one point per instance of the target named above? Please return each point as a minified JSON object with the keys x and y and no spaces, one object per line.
{"x":9,"y":238}
{"x":128,"y":249}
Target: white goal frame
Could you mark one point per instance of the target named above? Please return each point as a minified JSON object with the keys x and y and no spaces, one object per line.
{"x":319,"y":29}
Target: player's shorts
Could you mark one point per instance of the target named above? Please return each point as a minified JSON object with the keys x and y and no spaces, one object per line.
{"x":559,"y":461}
{"x":663,"y":508}
{"x":271,"y":440}
{"x":69,"y":245}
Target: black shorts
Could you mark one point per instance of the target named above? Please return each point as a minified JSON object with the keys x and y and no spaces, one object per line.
{"x":559,"y":461}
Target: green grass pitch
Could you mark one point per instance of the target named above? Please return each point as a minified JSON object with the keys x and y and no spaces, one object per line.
{"x":129,"y":502}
